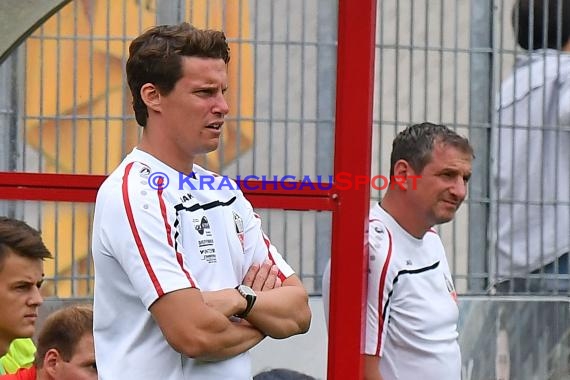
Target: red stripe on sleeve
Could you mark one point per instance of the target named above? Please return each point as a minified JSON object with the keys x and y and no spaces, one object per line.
{"x":140,"y":246}
{"x":268,"y":244}
{"x":163,"y":213}
{"x":381,"y":293}
{"x":179,"y":257}
{"x":180,"y":260}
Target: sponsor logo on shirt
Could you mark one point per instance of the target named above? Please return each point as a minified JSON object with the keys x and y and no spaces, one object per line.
{"x":202,"y":226}
{"x":208,"y":255}
{"x":205,"y":246}
{"x":205,"y":243}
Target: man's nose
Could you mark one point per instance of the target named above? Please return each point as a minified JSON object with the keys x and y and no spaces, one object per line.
{"x":459,"y":188}
{"x":36,"y":298}
{"x":221,"y":106}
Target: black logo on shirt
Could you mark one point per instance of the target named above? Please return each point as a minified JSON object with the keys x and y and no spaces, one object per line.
{"x":204,"y":225}
{"x":144,"y":172}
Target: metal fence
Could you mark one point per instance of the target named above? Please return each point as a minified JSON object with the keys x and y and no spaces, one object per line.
{"x":66,"y":109}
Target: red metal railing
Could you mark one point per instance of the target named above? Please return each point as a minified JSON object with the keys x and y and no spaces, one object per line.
{"x":353,"y":138}
{"x":83,"y":188}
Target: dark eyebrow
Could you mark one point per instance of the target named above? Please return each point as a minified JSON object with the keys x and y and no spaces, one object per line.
{"x":23,"y":283}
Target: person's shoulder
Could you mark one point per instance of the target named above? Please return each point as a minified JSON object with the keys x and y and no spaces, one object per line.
{"x":20,"y":354}
{"x":21,"y":374}
{"x":379,"y":237}
{"x":377,"y":224}
{"x":433,"y":242}
{"x":215,"y":181}
{"x":130,"y":184}
{"x":128,"y":168}
{"x":200,"y":171}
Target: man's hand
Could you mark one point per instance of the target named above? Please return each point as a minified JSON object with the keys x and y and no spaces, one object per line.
{"x":262,"y":277}
{"x":226,"y":301}
{"x":259,"y":277}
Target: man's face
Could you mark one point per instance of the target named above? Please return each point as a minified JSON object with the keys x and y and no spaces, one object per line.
{"x":194,"y":110}
{"x":20,"y":280}
{"x":442,"y":186}
{"x":81,"y":366}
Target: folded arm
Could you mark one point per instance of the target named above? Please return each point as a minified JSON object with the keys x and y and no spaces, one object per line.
{"x":198,"y":330}
{"x":282,"y":311}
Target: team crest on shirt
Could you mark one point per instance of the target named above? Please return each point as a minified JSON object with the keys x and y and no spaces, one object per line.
{"x":450,"y":287}
{"x":238,"y":222}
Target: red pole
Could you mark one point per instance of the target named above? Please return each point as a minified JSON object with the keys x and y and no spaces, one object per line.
{"x":353,"y":137}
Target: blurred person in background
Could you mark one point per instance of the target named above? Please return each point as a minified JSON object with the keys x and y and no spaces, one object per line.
{"x":22,"y":252}
{"x":529,"y":229}
{"x":65,"y":348}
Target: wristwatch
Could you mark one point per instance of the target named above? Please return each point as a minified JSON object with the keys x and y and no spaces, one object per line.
{"x":249,"y":295}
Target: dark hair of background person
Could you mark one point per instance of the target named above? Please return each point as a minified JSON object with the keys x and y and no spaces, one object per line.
{"x":156,"y":57}
{"x":18,"y":237}
{"x":282,"y":374}
{"x":549,"y":20}
{"x":415,"y":144}
{"x":62,"y":330}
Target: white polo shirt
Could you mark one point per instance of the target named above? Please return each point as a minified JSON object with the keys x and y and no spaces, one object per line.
{"x":149,"y":242}
{"x":412,"y":312}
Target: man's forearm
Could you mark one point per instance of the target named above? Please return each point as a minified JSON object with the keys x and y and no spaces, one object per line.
{"x":249,"y":336}
{"x":372,"y":367}
{"x":281,"y":312}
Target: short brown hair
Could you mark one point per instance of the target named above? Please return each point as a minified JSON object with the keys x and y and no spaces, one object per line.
{"x":156,"y":55}
{"x":18,"y":237}
{"x":415,"y":144}
{"x":63,"y":330}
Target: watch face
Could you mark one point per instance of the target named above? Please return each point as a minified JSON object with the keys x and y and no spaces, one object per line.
{"x":247,"y":290}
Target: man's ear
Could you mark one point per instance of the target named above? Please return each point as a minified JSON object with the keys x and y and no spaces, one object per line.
{"x":151,"y":96}
{"x":50,"y":362}
{"x":402,"y":170}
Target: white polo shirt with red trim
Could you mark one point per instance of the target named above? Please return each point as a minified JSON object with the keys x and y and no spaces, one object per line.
{"x":150,"y":240}
{"x":412,"y":312}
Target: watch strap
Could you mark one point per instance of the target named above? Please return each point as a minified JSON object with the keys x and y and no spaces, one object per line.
{"x":250,"y":299}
